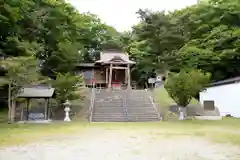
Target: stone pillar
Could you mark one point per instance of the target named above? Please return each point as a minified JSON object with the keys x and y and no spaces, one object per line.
{"x":110,"y":76}
{"x":129,"y":77}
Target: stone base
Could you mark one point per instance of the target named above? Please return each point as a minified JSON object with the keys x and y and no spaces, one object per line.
{"x":36,"y":121}
{"x":214,"y":118}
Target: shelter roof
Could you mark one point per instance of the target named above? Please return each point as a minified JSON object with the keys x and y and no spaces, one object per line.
{"x":36,"y":92}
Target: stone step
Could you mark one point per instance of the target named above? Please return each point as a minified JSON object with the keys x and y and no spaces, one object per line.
{"x":141,"y":113}
{"x":110,"y":115}
{"x":125,"y":118}
{"x":138,"y":103}
{"x":143,"y":120}
{"x":103,"y":102}
{"x":108,"y":106}
{"x":124,"y":115}
{"x":123,"y":106}
{"x":109,"y":112}
{"x":140,"y":107}
{"x":143,"y":116}
{"x":106,"y":120}
{"x":143,"y":108}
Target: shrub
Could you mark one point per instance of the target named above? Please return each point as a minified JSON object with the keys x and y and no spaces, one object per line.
{"x":186,"y":84}
{"x":67,"y":86}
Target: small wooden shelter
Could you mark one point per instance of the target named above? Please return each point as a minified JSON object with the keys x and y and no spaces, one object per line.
{"x":37,"y":92}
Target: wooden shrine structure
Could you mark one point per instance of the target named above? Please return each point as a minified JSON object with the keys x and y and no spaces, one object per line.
{"x":113,"y":70}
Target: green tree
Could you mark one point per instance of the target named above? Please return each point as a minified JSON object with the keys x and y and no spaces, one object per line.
{"x":21,"y":71}
{"x":183,"y":86}
{"x":153,"y":43}
{"x":67,"y":87}
{"x":213,"y":38}
{"x":203,"y":36}
{"x":57,"y":33}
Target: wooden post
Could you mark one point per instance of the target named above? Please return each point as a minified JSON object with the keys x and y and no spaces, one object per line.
{"x":93,"y":78}
{"x":28,"y":105}
{"x":9,"y":102}
{"x":110,"y":77}
{"x":22,"y":113}
{"x":106,"y":75}
{"x":49,"y":109}
{"x":46,"y":109}
{"x":129,"y":77}
{"x":126,"y":76}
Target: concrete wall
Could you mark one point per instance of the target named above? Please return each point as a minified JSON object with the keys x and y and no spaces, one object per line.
{"x":226,"y":98}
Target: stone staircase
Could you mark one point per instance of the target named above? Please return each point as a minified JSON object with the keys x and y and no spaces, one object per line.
{"x":123,"y":106}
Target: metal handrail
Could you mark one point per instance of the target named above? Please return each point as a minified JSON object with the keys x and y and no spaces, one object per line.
{"x":91,"y":106}
{"x":124,"y":103}
{"x":152,"y":100}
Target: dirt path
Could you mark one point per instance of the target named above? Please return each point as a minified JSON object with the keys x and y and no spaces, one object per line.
{"x":111,"y":144}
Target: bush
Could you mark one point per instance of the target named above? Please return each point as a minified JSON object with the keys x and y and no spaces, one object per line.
{"x":67,"y":86}
{"x":183,"y":86}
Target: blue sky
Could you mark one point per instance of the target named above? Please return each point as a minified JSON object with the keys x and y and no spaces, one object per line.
{"x":121,"y":13}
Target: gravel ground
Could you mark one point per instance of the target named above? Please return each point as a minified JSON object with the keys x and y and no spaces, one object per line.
{"x":110,"y":144}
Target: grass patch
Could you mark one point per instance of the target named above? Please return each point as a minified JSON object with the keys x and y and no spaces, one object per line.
{"x":13,"y":134}
{"x":164,"y":100}
{"x":3,"y":116}
{"x":226,"y":131}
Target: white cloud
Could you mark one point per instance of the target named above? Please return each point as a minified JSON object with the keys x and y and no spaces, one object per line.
{"x":121,"y":13}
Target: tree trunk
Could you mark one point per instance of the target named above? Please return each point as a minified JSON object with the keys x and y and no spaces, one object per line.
{"x":22,"y":112}
{"x":13,"y":111}
{"x":9,"y":102}
{"x":182,"y":113}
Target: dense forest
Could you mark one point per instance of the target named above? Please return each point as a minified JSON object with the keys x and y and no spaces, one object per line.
{"x":47,"y":38}
{"x":204,"y":36}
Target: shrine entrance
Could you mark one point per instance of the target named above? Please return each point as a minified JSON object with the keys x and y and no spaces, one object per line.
{"x":118,"y":76}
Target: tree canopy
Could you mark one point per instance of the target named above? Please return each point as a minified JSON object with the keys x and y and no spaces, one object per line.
{"x":48,"y":37}
{"x":54,"y":32}
{"x":205,"y":36}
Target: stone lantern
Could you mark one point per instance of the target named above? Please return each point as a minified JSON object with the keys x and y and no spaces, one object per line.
{"x":67,"y":109}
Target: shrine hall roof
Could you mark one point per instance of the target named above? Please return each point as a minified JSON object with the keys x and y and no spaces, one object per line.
{"x":114,"y":56}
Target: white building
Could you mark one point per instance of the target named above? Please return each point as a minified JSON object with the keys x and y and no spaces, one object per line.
{"x":226,"y":96}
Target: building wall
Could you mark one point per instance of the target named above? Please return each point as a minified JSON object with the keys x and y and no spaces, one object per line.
{"x":225,"y":97}
{"x":100,"y":75}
